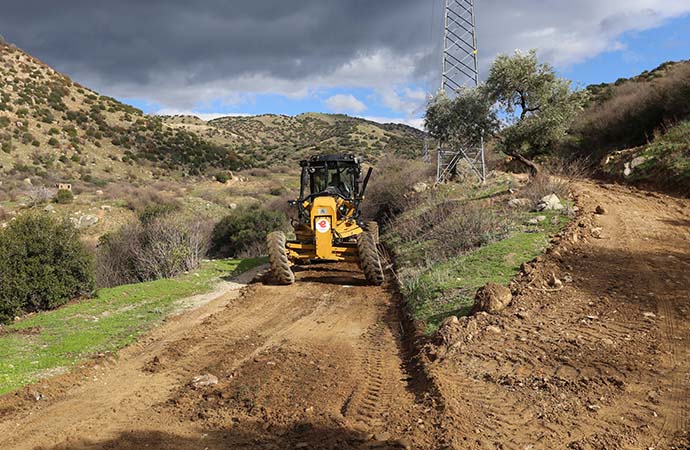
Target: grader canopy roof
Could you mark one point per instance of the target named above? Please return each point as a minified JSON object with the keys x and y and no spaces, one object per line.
{"x":331,"y":174}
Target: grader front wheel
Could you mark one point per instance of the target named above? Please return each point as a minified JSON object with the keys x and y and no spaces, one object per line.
{"x":277,"y":257}
{"x":373,"y":228}
{"x":369,"y":258}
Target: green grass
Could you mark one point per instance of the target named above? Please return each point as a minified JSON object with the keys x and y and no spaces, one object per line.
{"x":54,"y":341}
{"x":447,"y":288}
{"x":667,"y":160}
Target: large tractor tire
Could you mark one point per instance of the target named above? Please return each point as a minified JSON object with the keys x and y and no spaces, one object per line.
{"x":278,"y":259}
{"x":369,"y":258}
{"x":373,"y":228}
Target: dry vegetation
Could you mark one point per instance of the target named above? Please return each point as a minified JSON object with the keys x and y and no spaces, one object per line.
{"x":146,"y":250}
{"x":446,"y":241}
{"x":629,"y":113}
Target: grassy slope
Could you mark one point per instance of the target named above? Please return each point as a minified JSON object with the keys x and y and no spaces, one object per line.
{"x":447,"y":287}
{"x":638,"y":128}
{"x":665,"y":162}
{"x":51,"y":342}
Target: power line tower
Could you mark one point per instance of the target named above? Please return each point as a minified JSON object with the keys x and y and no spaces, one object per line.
{"x":460,"y":69}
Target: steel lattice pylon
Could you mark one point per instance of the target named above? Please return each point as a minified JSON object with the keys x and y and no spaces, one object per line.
{"x":460,"y":69}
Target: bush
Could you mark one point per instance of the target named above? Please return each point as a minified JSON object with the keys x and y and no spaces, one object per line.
{"x":156,"y":210}
{"x":139,"y":198}
{"x":64,"y":197}
{"x":447,"y":227}
{"x":544,"y":184}
{"x":162,"y":247}
{"x":390,"y":185}
{"x":628,"y":114}
{"x":243,"y":232}
{"x":43,"y":265}
{"x":222,"y":177}
{"x":38,"y":195}
{"x":277,"y":190}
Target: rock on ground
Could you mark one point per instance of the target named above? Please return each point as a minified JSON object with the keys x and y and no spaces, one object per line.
{"x":492,"y":298}
{"x":550,"y":203}
{"x":204,"y":380}
{"x":420,"y":187}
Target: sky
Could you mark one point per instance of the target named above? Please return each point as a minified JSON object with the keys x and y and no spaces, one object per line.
{"x":374,"y":59}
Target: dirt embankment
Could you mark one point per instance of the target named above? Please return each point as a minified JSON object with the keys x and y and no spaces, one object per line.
{"x":601,"y":362}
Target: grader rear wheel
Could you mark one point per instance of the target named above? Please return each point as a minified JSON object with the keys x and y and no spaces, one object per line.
{"x":369,"y":258}
{"x":278,"y":259}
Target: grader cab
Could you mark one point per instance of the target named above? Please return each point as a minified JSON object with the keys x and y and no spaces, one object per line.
{"x":328,"y":227}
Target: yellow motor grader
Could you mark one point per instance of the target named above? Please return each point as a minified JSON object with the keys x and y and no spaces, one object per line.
{"x":328,"y":226}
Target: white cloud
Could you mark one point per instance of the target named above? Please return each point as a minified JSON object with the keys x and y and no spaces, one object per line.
{"x":567,"y":33}
{"x":345,"y":103}
{"x":377,"y":69}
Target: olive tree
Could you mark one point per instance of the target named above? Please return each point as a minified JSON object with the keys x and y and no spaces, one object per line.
{"x":538,"y":106}
{"x":463,"y":121}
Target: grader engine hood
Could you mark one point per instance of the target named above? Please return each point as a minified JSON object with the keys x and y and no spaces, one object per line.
{"x":323,"y":219}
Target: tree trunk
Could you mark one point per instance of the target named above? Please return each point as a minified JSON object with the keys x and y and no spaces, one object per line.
{"x":533,"y":167}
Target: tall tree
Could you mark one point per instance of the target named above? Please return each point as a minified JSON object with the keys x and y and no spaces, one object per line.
{"x":462,"y":121}
{"x":537,"y":104}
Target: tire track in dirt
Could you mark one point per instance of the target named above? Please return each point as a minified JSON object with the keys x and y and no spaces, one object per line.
{"x":368,"y":401}
{"x":318,"y":363}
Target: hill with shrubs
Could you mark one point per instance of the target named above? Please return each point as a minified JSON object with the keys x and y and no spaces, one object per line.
{"x":637,"y":130}
{"x":52,"y":129}
{"x":268,"y":139}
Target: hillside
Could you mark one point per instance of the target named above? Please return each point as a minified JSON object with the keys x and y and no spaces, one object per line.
{"x":53,"y":129}
{"x":267,"y":139}
{"x":635,"y":130}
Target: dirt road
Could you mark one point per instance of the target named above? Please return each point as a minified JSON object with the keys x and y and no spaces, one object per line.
{"x":315,"y":365}
{"x":602,"y":362}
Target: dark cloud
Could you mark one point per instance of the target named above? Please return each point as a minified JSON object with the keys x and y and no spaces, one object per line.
{"x":180,"y":52}
{"x":133,"y":40}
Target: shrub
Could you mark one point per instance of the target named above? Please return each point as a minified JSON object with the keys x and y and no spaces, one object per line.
{"x":544,"y":184}
{"x":222,"y":177}
{"x":389,"y":186}
{"x":64,"y":197}
{"x":43,"y":265}
{"x":447,"y":227}
{"x":37,"y":195}
{"x":628,"y":114}
{"x":276,"y":190}
{"x":156,"y":210}
{"x":243,"y":231}
{"x":54,"y":142}
{"x":143,"y":251}
{"x":139,"y":198}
